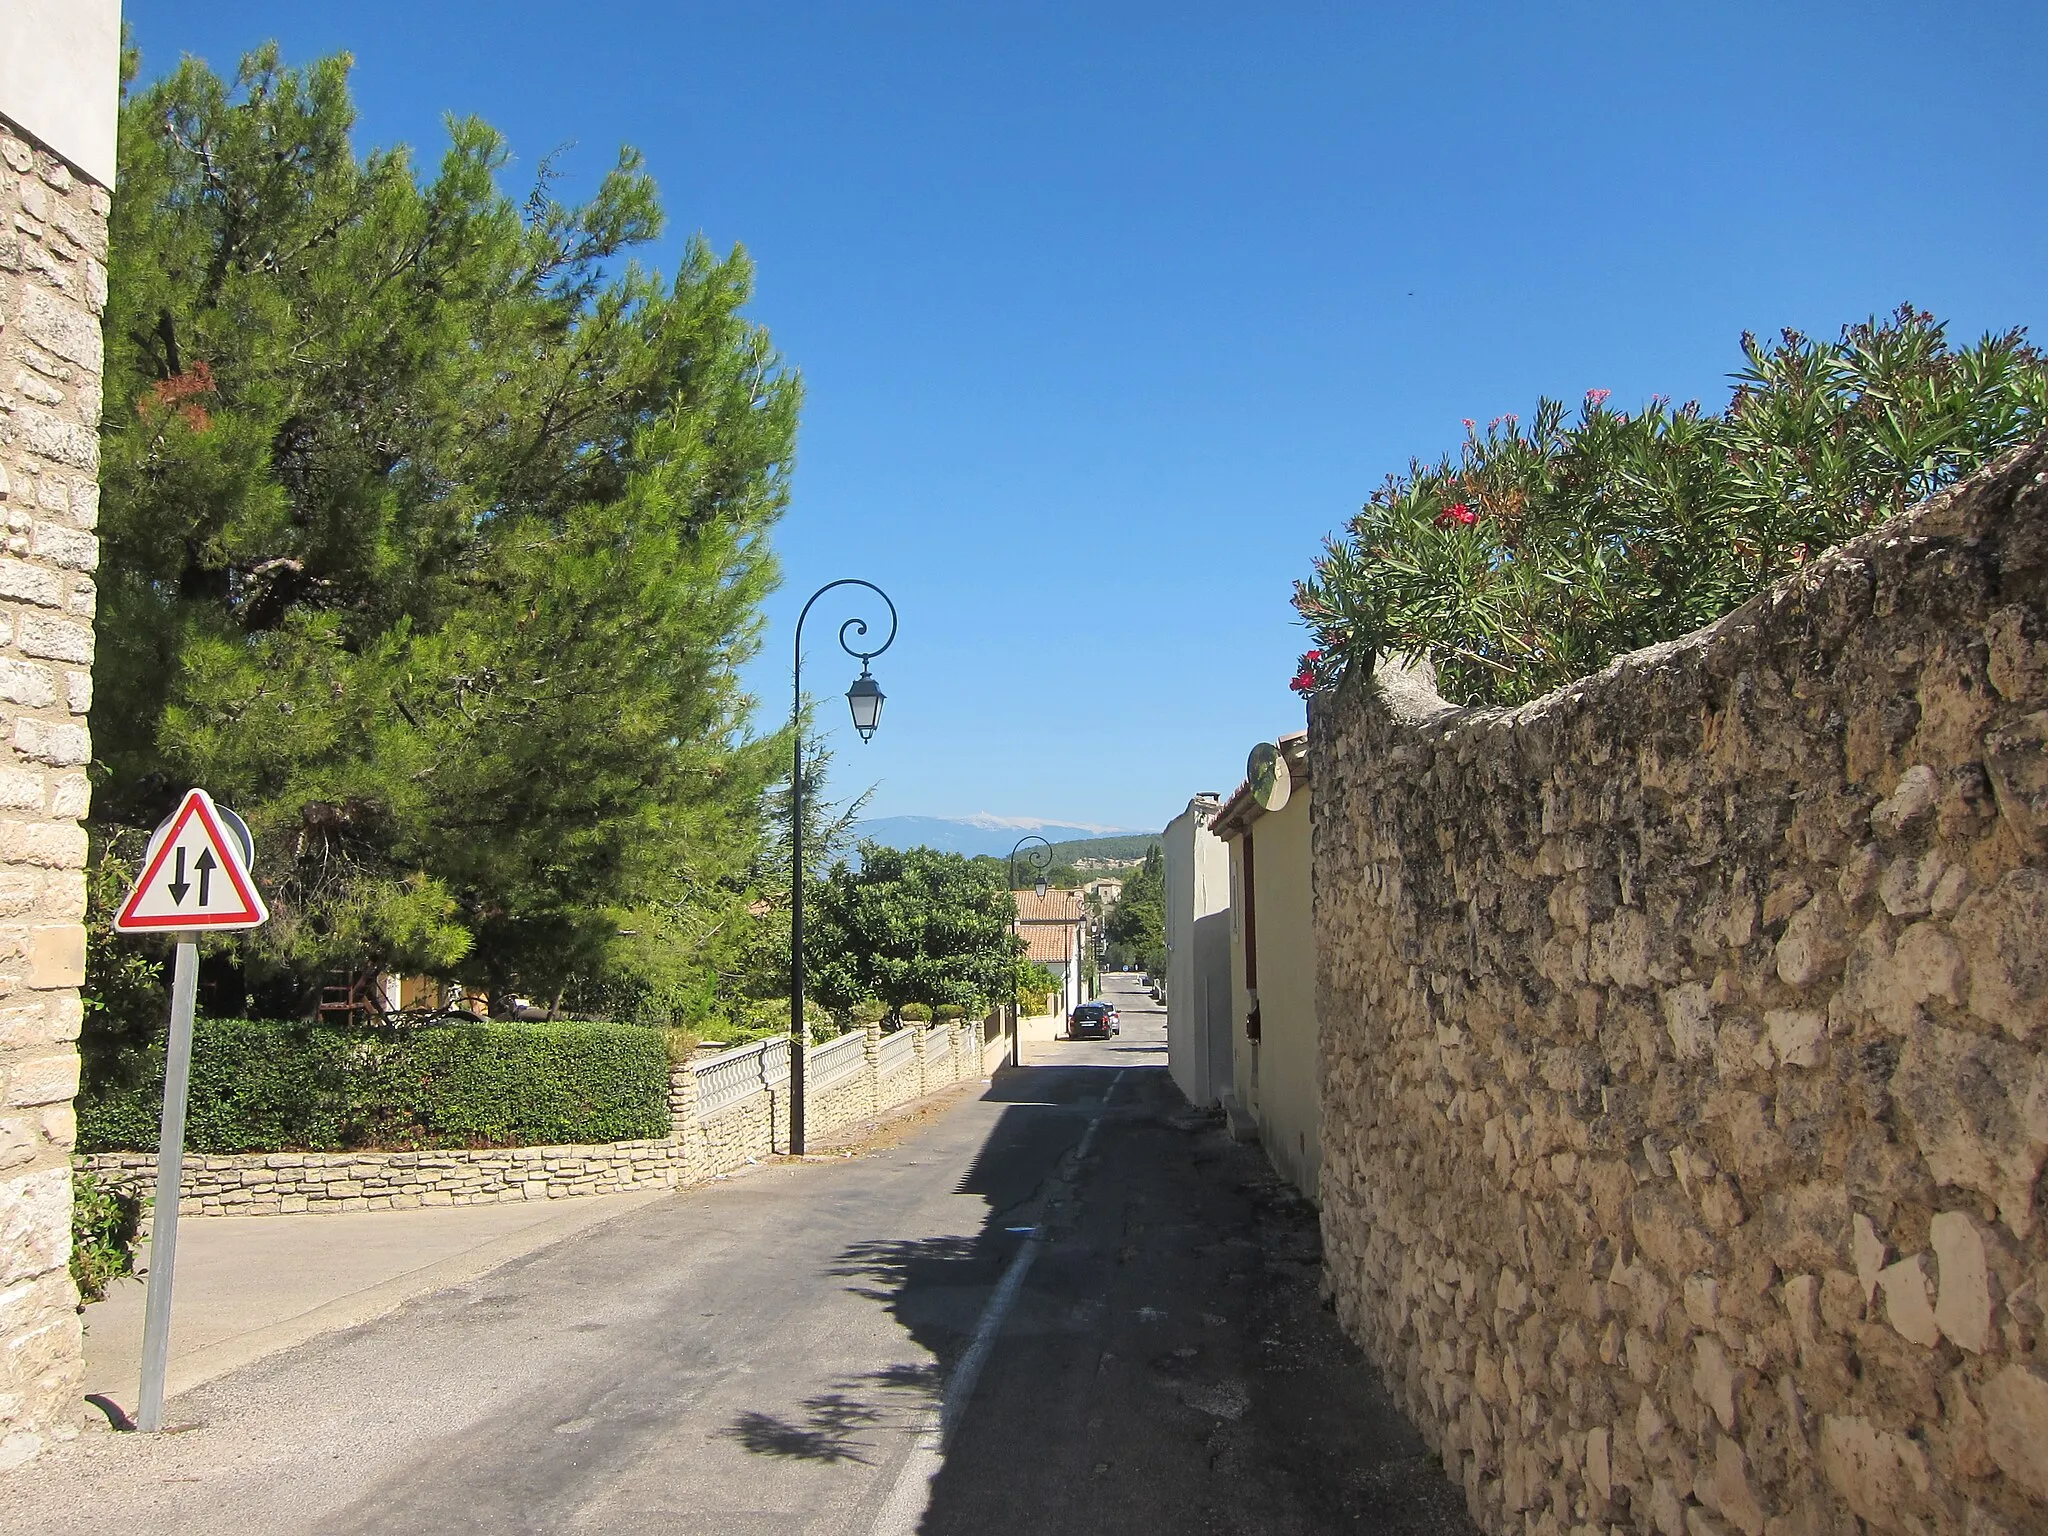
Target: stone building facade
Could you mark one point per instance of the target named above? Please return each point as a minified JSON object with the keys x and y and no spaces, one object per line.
{"x":53,"y":285}
{"x":1686,"y":1054}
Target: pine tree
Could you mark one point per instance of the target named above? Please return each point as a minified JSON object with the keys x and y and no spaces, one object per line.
{"x":435,"y":532}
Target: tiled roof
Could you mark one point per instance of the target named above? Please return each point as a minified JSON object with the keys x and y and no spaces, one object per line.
{"x":1052,"y":907}
{"x":1048,"y":943}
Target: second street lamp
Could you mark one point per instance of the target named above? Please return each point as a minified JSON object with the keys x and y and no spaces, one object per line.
{"x":864,"y":699}
{"x":1040,"y":863}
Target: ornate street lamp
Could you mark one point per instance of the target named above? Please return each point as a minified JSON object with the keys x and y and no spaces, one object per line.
{"x":1040,"y":862}
{"x":864,"y":699}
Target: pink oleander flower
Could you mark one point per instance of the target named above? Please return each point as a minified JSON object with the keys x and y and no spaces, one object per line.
{"x":1597,"y":397}
{"x":1457,"y":512}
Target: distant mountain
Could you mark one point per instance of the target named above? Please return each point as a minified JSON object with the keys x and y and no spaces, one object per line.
{"x":992,"y":835}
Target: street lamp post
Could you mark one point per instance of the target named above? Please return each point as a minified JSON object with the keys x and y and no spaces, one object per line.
{"x":864,"y":699}
{"x":1040,"y":861}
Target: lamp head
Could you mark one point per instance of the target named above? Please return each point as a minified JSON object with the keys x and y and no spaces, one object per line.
{"x":864,"y":698}
{"x":1040,"y":887}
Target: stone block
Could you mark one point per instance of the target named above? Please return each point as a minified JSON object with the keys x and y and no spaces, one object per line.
{"x":1909,"y":1301}
{"x":1963,"y":1308}
{"x":35,"y":1223}
{"x":22,"y":582}
{"x":66,"y":546}
{"x":25,"y":683}
{"x":45,"y":1079}
{"x":58,"y":744}
{"x":54,"y":639}
{"x":2016,"y":1415}
{"x":56,"y":956}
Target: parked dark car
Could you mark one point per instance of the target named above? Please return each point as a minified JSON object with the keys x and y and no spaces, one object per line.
{"x":1097,"y":1019}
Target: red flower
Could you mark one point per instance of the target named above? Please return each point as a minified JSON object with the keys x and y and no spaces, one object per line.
{"x":1304,"y":682}
{"x":1457,"y":512}
{"x":1312,"y":656}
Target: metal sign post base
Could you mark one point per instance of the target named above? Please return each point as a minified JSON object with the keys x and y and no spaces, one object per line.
{"x":170,"y":1167}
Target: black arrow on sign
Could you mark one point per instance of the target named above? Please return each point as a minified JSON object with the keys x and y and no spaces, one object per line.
{"x":179,"y":886}
{"x":205,"y":865}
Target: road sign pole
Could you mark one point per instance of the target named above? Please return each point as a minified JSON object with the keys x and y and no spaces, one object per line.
{"x":170,"y":1167}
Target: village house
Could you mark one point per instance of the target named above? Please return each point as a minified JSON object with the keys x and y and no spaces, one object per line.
{"x":1276,"y":1087}
{"x":1054,"y":929}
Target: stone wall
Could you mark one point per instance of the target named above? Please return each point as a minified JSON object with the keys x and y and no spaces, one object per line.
{"x":697,"y":1148}
{"x":290,"y":1183}
{"x":53,"y":285}
{"x":1685,"y":1046}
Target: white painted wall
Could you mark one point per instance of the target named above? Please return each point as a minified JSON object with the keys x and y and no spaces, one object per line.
{"x":1198,"y":1037}
{"x":60,"y":77}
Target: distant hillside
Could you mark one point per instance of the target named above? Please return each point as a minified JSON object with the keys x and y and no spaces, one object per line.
{"x":994,"y":837}
{"x":1131,"y":845}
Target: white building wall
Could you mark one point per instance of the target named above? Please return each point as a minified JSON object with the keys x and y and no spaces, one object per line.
{"x":60,"y":77}
{"x":1197,"y":870}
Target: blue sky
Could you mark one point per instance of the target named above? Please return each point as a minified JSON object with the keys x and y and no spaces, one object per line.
{"x":1108,"y":312}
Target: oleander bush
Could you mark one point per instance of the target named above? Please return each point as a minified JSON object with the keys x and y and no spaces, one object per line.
{"x":264,"y":1086}
{"x":1547,"y":548}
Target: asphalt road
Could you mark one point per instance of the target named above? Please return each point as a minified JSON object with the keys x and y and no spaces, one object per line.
{"x":1066,"y":1303}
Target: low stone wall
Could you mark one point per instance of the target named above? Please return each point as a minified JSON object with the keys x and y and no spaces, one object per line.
{"x":286,"y":1183}
{"x":698,"y":1148}
{"x":1685,"y":1054}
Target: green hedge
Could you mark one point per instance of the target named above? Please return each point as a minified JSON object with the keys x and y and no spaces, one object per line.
{"x":259,"y":1086}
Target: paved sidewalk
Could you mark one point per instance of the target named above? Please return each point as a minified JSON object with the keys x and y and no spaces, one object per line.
{"x":248,"y":1286}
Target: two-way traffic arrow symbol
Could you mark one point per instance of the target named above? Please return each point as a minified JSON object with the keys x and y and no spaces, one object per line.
{"x":201,"y":851}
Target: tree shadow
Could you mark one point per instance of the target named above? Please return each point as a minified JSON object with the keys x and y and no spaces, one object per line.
{"x":937,"y":1286}
{"x":829,"y":1432}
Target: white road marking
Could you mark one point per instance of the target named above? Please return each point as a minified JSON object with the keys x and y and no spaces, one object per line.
{"x":903,"y":1511}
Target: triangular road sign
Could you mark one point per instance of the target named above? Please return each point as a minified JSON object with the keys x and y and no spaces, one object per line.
{"x":194,"y":875}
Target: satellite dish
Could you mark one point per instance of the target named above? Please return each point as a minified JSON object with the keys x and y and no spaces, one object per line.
{"x":1266,"y":771}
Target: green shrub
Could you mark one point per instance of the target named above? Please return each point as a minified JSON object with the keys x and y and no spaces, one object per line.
{"x":766,"y":1018}
{"x":259,"y":1086}
{"x":949,"y":1013}
{"x":1546,"y":549}
{"x":104,"y":1222}
{"x":915,"y":1013}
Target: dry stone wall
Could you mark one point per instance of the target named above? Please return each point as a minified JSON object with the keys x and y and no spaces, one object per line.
{"x":1685,"y":1054}
{"x":53,"y":286}
{"x":697,"y":1148}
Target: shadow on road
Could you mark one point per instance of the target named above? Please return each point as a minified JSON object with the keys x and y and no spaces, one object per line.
{"x":1166,"y":1365}
{"x":830,"y":1430}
